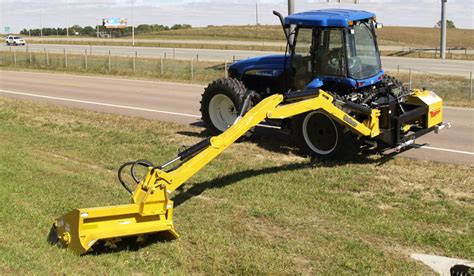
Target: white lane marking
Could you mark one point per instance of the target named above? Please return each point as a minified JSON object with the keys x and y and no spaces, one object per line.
{"x":448,"y":150}
{"x":170,"y":113}
{"x":104,"y":78}
{"x":100,"y":104}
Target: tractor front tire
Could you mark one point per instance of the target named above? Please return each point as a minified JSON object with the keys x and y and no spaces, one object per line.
{"x":319,"y":136}
{"x":220,"y":104}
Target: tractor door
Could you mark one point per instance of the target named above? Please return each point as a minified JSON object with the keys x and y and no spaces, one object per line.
{"x":329,"y":53}
{"x":302,"y":61}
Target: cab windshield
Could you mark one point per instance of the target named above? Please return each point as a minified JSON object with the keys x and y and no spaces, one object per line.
{"x":362,"y":54}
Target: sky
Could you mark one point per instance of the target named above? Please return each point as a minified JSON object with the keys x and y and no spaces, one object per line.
{"x":19,"y":14}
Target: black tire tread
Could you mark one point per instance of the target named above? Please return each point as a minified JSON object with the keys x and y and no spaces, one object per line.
{"x":233,"y":88}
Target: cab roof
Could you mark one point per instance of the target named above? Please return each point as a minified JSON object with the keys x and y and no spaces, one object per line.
{"x":327,"y":18}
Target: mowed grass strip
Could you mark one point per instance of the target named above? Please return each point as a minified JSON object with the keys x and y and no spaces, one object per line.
{"x":257,"y":209}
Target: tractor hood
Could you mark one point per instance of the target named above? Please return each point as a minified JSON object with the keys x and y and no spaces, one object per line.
{"x":269,"y":66}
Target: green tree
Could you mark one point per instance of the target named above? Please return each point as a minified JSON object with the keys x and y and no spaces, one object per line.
{"x":180,"y":26}
{"x":75,"y":28}
{"x":449,"y":24}
{"x":89,"y":31}
{"x":144,"y":28}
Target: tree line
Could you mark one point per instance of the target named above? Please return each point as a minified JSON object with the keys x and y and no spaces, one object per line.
{"x":92,"y":31}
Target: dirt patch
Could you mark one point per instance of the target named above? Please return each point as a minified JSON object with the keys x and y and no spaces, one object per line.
{"x":267,"y":230}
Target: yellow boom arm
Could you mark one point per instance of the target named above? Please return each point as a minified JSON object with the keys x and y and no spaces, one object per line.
{"x":151,"y":210}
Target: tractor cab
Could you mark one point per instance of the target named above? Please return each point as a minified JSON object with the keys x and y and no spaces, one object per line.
{"x":338,"y":47}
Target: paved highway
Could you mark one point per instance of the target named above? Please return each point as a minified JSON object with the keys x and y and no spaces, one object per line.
{"x":179,"y":103}
{"x":450,"y":67}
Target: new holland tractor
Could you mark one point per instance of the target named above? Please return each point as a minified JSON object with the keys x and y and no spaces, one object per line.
{"x":329,"y":90}
{"x":335,"y":51}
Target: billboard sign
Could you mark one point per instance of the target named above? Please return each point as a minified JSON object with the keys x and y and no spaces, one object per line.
{"x":7,"y":30}
{"x":115,"y":23}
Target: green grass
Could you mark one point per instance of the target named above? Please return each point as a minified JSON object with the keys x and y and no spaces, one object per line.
{"x":414,"y":37}
{"x":432,"y":54}
{"x":454,"y":90}
{"x":398,"y":36}
{"x":151,"y":68}
{"x":257,"y":209}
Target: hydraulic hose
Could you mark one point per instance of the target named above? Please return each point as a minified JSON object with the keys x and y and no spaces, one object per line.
{"x":132,"y":164}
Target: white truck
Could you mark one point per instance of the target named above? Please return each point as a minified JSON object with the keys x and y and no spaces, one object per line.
{"x":14,"y":40}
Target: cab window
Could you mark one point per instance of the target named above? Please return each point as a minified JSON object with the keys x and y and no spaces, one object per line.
{"x":302,"y":61}
{"x":330,"y":57}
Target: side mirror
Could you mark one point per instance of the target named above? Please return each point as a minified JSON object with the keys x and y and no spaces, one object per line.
{"x":315,"y":84}
{"x":378,"y":25}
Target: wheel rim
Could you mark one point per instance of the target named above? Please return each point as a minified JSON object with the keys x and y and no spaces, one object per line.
{"x":222,"y":112}
{"x":320,"y":133}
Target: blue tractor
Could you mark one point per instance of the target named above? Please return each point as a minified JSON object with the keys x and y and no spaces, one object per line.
{"x":334,"y":50}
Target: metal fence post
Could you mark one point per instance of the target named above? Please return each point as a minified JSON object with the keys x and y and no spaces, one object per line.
{"x":197,"y":57}
{"x":192,"y":69}
{"x":135,"y":62}
{"x":161,"y":66}
{"x":409,"y":79}
{"x":14,"y":58}
{"x":47,"y":59}
{"x":470,"y":86}
{"x":110,"y":66}
{"x":398,"y":69}
{"x":65,"y":58}
{"x":31,"y":58}
{"x":85,"y":59}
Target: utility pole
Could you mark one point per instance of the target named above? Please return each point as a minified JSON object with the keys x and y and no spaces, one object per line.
{"x":67,"y":23}
{"x":256,"y":18}
{"x":291,"y":10}
{"x":443,"y":29}
{"x":256,"y":12}
{"x":291,"y":7}
{"x":133,"y":22}
{"x":41,"y":18}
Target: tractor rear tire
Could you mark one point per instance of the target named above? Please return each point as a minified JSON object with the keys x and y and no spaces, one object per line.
{"x":319,"y":136}
{"x":220,"y":104}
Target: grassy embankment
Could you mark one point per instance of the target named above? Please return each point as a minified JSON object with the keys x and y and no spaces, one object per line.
{"x":453,"y":89}
{"x":388,"y":36}
{"x":258,"y":208}
{"x":409,"y":37}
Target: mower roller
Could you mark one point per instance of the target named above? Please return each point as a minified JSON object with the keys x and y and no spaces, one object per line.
{"x":361,"y":103}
